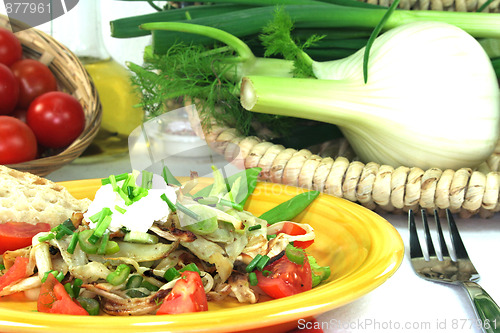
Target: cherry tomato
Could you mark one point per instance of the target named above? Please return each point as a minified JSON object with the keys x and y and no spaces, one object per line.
{"x":285,"y":278}
{"x":16,"y":235}
{"x":54,"y":299}
{"x":187,"y":295}
{"x":56,"y":118}
{"x":15,"y":273}
{"x":9,"y":90}
{"x":17,"y":141}
{"x":293,"y":229}
{"x":10,"y":47}
{"x":34,"y":79}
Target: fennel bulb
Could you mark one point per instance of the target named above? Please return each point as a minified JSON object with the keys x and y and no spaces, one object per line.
{"x":432,"y":98}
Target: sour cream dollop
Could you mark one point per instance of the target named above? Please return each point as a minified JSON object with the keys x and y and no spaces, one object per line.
{"x":140,"y":215}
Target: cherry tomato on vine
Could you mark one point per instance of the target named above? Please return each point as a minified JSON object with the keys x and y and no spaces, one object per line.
{"x":9,"y":90}
{"x":34,"y":79}
{"x":17,"y":141}
{"x":56,"y":118}
{"x":10,"y":47}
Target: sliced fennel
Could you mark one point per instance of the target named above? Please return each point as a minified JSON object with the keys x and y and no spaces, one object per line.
{"x":432,"y":98}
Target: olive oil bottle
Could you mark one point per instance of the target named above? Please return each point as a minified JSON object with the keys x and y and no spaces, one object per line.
{"x":112,"y":80}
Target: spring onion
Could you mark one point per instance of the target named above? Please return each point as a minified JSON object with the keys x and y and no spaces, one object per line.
{"x":134,"y":281}
{"x":295,"y":254}
{"x":171,"y":274}
{"x":119,"y":276}
{"x":140,"y":237}
{"x":90,"y":305}
{"x":251,"y":266}
{"x":252,"y":279}
{"x":263,"y":261}
{"x":73,"y":242}
{"x":190,"y":267}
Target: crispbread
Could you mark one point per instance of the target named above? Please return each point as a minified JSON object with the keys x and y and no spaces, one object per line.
{"x":25,"y":197}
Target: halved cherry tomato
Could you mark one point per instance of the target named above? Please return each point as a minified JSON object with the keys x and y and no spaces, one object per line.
{"x":16,"y":235}
{"x":54,"y":299}
{"x":293,"y":229}
{"x":284,"y":278}
{"x":187,"y":295}
{"x":15,"y":273}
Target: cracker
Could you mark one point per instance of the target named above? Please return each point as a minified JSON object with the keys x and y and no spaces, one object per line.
{"x":25,"y":197}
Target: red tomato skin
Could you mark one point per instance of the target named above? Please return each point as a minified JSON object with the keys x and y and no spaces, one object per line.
{"x":187,"y":296}
{"x":295,"y":230}
{"x":10,"y":47}
{"x":34,"y":79}
{"x":56,"y":118}
{"x":286,"y":278}
{"x":16,"y":235}
{"x":54,"y":299}
{"x":17,"y":141}
{"x":9,"y":90}
{"x":15,"y":273}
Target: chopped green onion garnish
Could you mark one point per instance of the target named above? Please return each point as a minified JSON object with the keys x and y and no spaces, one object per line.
{"x":60,"y":276}
{"x":2,"y":267}
{"x":73,"y":243}
{"x":76,"y":286}
{"x":266,"y":273}
{"x":252,"y":278}
{"x":232,"y":204}
{"x":85,"y":245}
{"x":295,"y":255}
{"x":104,"y":243}
{"x":149,"y":286}
{"x":62,"y":230}
{"x":140,"y":237}
{"x":251,"y":266}
{"x":134,"y":281}
{"x":187,"y":211}
{"x":46,"y":275}
{"x":147,"y":179}
{"x":116,"y":178}
{"x":262,"y":262}
{"x":119,"y":276}
{"x":100,"y":229}
{"x":46,"y":237}
{"x":190,"y":267}
{"x":169,"y":177}
{"x":69,"y":290}
{"x":254,"y":227}
{"x":120,"y":209}
{"x":269,"y":237}
{"x":90,"y":305}
{"x":171,"y":274}
{"x":169,"y":203}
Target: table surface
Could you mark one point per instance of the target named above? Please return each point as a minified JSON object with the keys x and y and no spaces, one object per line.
{"x":404,"y":302}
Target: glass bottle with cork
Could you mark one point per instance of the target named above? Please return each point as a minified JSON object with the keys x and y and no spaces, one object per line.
{"x":80,"y":31}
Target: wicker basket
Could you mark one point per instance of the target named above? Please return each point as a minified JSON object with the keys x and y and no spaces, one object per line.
{"x":378,"y":187}
{"x":71,"y":78}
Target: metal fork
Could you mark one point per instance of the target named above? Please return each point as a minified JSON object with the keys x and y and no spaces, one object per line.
{"x":458,"y":270}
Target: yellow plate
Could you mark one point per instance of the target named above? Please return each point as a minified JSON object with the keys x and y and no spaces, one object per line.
{"x":362,"y":249}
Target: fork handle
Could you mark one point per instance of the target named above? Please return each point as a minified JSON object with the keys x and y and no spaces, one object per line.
{"x":485,"y":307}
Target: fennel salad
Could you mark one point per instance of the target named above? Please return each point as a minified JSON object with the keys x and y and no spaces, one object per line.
{"x":147,"y":245}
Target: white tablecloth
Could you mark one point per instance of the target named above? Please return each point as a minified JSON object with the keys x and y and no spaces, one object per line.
{"x":405,"y":302}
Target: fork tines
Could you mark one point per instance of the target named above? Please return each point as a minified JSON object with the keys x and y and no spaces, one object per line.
{"x":457,"y":243}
